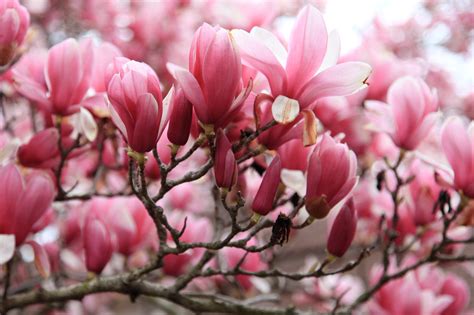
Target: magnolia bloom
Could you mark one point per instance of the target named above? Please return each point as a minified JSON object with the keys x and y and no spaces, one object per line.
{"x":427,"y":290}
{"x":342,"y":230}
{"x":137,"y":108}
{"x":305,"y":72}
{"x":331,"y":176}
{"x":14,"y":23}
{"x":225,"y":165}
{"x":22,"y":201}
{"x":97,"y":245}
{"x":410,"y":113}
{"x":263,"y":201}
{"x":458,"y":146}
{"x":213,"y":82}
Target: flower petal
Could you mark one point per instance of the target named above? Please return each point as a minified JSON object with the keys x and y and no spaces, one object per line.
{"x":285,"y":110}
{"x":307,"y":47}
{"x":340,"y":80}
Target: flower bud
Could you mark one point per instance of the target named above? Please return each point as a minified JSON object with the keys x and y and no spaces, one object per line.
{"x":97,"y":245}
{"x":136,"y":104}
{"x":263,"y":201}
{"x":331,"y":176}
{"x":180,"y":118}
{"x":225,"y":165}
{"x":343,"y":230}
{"x":213,"y":82}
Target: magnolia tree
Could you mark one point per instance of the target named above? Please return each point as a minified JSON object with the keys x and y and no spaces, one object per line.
{"x":175,"y":155}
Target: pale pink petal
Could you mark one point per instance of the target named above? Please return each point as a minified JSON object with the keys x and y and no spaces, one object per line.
{"x":258,"y":56}
{"x":457,"y":148}
{"x":272,"y":43}
{"x":340,"y":80}
{"x":306,"y":48}
{"x":332,"y":52}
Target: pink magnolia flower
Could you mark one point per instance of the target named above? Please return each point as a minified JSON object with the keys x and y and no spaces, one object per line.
{"x":305,"y":72}
{"x":36,"y":75}
{"x":331,"y":176}
{"x":263,"y":201}
{"x":225,"y":165}
{"x":410,"y":113}
{"x":98,"y":247}
{"x":137,"y":107}
{"x":213,"y":82}
{"x":22,"y":201}
{"x":342,"y":230}
{"x":458,"y":146}
{"x":427,"y":290}
{"x":14,"y":23}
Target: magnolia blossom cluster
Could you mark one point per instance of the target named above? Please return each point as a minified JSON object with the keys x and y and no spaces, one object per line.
{"x":200,"y":153}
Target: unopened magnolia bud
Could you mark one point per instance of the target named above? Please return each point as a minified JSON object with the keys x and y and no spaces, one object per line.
{"x":97,"y":245}
{"x":225,"y":165}
{"x":263,"y":201}
{"x":180,"y":118}
{"x":343,"y":230}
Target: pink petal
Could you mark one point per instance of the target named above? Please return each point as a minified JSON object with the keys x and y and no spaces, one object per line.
{"x":221,"y":75}
{"x":256,"y":55}
{"x":342,"y":230}
{"x":11,"y":186}
{"x":145,"y":133}
{"x":307,"y":47}
{"x":263,"y":201}
{"x":97,"y":245}
{"x":193,"y":93}
{"x":63,"y":73}
{"x":340,"y":80}
{"x":458,"y":149}
{"x":33,"y":203}
{"x":332,"y":53}
{"x":271,"y":42}
{"x":9,"y":26}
